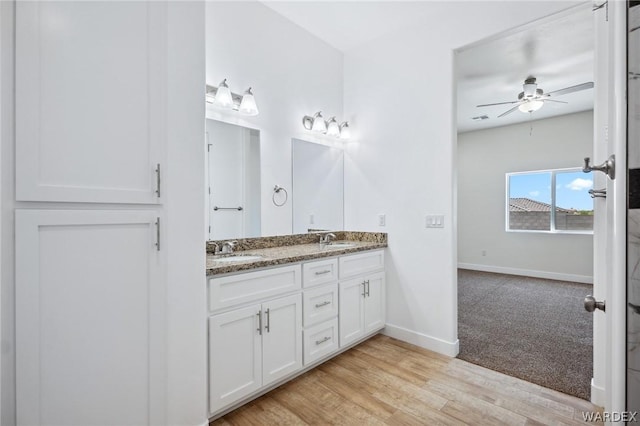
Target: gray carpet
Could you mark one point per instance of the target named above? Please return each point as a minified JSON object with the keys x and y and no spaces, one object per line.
{"x":529,"y":328}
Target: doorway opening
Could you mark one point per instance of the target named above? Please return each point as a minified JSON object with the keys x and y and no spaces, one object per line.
{"x":525,"y":214}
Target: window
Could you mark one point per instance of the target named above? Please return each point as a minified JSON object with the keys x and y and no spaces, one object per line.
{"x":550,"y":201}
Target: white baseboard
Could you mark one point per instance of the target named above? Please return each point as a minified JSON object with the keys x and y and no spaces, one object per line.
{"x":598,"y":394}
{"x":586,"y":279}
{"x":424,"y":341}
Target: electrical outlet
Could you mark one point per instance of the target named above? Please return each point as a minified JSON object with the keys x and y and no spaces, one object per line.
{"x":434,"y":221}
{"x":382,"y":220}
{"x":311,"y":219}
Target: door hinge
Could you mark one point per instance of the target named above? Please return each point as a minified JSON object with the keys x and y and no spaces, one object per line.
{"x":158,"y":180}
{"x":604,"y":5}
{"x":158,"y":234}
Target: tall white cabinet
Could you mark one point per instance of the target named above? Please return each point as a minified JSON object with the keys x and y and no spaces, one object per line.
{"x":91,"y":284}
{"x":90,"y":100}
{"x":89,"y":318}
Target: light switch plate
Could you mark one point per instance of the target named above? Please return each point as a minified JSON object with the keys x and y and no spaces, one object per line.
{"x":382,"y":220}
{"x":434,"y":221}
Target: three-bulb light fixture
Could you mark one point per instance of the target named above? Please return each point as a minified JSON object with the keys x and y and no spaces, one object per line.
{"x":224,"y":98}
{"x":330,"y":127}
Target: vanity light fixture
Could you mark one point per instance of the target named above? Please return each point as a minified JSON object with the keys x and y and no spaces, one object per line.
{"x":223,"y":97}
{"x":331,"y":127}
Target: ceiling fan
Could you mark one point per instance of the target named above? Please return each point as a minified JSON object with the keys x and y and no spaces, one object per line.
{"x":531,"y":98}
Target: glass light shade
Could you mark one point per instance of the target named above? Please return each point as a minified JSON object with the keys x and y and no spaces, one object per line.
{"x":319,"y":125}
{"x":529,"y":90}
{"x":248,"y":104}
{"x":531,"y":106}
{"x":345,"y":132}
{"x":223,"y":96}
{"x":333,"y":129}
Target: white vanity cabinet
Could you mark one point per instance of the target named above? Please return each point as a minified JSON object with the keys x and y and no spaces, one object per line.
{"x":253,"y":345}
{"x":362,"y":298}
{"x":268,"y":325}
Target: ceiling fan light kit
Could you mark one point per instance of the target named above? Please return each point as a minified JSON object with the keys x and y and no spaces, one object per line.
{"x":532,"y":99}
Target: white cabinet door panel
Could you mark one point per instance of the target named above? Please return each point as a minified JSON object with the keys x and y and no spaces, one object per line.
{"x":374,"y":306}
{"x":351,"y":311}
{"x":90,"y":100}
{"x":90,"y":319}
{"x":281,"y":338}
{"x":235,"y":356}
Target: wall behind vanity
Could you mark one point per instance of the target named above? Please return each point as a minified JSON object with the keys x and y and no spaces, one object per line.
{"x":292,"y":74}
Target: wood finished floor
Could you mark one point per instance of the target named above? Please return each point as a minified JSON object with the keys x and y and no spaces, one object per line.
{"x":384,"y":381}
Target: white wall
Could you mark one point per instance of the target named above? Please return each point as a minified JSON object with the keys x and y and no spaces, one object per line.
{"x":484,"y":156}
{"x":399,"y":92}
{"x":292,"y":74}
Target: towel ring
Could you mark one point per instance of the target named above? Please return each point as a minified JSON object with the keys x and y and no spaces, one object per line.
{"x":276,"y":190}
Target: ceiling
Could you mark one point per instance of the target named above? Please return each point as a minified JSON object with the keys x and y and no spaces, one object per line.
{"x":558,"y":51}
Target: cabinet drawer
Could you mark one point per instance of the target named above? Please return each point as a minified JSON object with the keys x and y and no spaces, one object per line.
{"x":320,"y":340}
{"x":361,"y":263}
{"x":320,"y":304}
{"x":233,"y":290}
{"x":320,"y":272}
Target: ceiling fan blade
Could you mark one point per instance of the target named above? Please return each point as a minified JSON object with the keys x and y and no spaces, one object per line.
{"x":499,"y":103}
{"x":576,"y":88}
{"x":553,"y":100}
{"x":509,"y":112}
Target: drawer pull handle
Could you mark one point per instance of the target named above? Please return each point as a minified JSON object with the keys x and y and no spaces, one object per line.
{"x":326,"y":271}
{"x":268,"y":326}
{"x":259,"y":314}
{"x":368,"y":288}
{"x":325,"y":303}
{"x":321,"y":341}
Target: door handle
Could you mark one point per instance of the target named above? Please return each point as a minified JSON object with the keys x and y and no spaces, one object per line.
{"x":259,"y":314}
{"x":590,"y":304}
{"x":268,"y":326}
{"x":598,"y":193}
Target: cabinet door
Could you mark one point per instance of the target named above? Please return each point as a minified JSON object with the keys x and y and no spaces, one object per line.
{"x":90,"y":100}
{"x":235,"y":356}
{"x":374,"y":303}
{"x":281,"y":338}
{"x":90,"y":318}
{"x":351,"y":310}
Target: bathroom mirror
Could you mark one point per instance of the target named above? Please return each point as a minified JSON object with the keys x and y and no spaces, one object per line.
{"x":233,"y":173}
{"x":318,"y":187}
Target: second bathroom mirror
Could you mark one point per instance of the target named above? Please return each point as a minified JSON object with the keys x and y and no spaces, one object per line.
{"x":318,"y":187}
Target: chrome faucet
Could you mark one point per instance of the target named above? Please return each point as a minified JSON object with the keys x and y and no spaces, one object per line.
{"x":326,"y":238}
{"x":216,"y":248}
{"x":228,"y":246}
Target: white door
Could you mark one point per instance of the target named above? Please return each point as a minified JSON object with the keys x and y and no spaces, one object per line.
{"x":374,"y":308}
{"x":90,"y":319}
{"x":235,"y":356}
{"x":281,"y":338}
{"x":610,"y":76}
{"x":351,"y":317}
{"x":90,"y":100}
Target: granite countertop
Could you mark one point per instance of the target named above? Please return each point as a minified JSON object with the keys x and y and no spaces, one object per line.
{"x":283,"y":254}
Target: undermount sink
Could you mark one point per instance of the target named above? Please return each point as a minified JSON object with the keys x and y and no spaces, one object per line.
{"x":239,"y":258}
{"x":339,"y":245}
